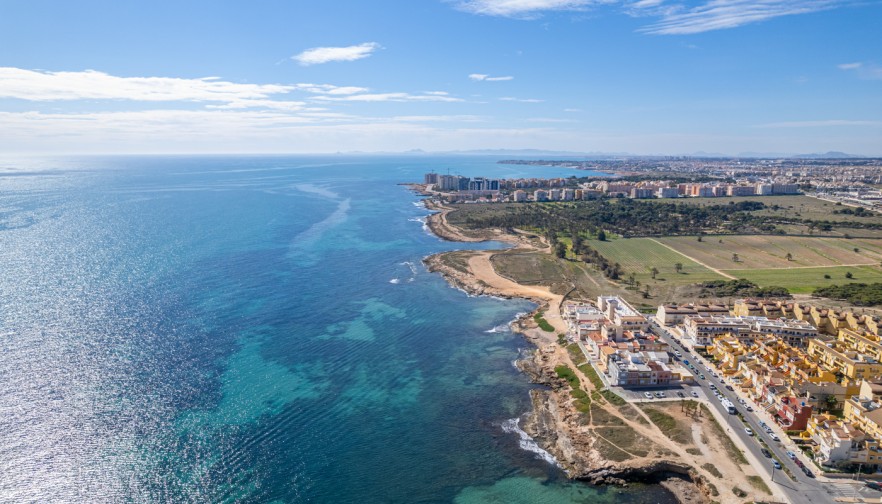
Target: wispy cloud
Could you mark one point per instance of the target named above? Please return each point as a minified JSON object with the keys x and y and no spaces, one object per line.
{"x":724,"y":14}
{"x":487,"y":78}
{"x":390,"y":97}
{"x":864,"y":71}
{"x":673,"y":17}
{"x":319,"y":55}
{"x":522,"y":8}
{"x":572,"y":110}
{"x":819,"y":124}
{"x":520,"y":100}
{"x":36,"y":85}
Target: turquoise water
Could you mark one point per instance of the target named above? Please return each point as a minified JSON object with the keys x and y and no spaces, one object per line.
{"x":253,"y":329}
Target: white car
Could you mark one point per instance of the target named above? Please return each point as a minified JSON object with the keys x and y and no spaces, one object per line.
{"x":647,"y":395}
{"x":694,"y":394}
{"x":774,"y":437}
{"x":749,"y":431}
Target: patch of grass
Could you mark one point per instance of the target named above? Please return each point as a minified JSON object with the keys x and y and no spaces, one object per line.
{"x":600,"y":416}
{"x":739,"y":492}
{"x":576,"y":354}
{"x":610,"y":451}
{"x":669,"y":425}
{"x":713,"y":489}
{"x":640,"y":255}
{"x":567,"y":374}
{"x":543,"y":324}
{"x":613,"y":398}
{"x":806,"y":280}
{"x":625,"y":438}
{"x":758,"y":483}
{"x":733,"y":451}
{"x":592,"y":376}
{"x":712,"y":469}
{"x":693,"y":451}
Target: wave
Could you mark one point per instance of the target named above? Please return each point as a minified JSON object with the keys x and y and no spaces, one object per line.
{"x":526,"y":442}
{"x":501,"y":328}
{"x":394,"y":281}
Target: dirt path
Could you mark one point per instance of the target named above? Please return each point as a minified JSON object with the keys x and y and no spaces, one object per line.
{"x":715,"y":270}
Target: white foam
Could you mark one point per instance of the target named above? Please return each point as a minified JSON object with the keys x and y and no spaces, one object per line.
{"x":526,"y":442}
{"x":500,"y":328}
{"x":394,"y":281}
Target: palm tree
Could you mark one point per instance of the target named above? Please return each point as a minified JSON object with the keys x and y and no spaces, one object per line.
{"x":654,"y":272}
{"x":678,"y":267}
{"x":734,"y":257}
{"x":789,"y":256}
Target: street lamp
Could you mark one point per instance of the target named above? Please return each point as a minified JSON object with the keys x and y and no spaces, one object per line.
{"x":860,"y":466}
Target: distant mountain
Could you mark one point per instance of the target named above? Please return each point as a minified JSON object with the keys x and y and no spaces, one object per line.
{"x":827,"y":155}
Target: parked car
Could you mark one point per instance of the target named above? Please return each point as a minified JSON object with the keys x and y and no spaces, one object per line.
{"x":776,"y":465}
{"x":799,"y":463}
{"x":728,"y":387}
{"x":680,"y":394}
{"x":749,"y":431}
{"x":766,"y":453}
{"x":808,"y":472}
{"x":791,"y":455}
{"x":875,"y":486}
{"x":694,"y":394}
{"x":686,"y":362}
{"x":774,"y":436}
{"x":749,"y":409}
{"x":701,"y":376}
{"x":648,"y":395}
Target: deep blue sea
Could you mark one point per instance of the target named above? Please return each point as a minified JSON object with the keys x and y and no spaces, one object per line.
{"x":253,"y":329}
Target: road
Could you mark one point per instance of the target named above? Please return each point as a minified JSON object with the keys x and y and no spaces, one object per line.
{"x":804,"y":489}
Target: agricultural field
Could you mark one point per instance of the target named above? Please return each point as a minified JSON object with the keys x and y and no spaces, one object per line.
{"x":805,"y":280}
{"x":771,"y":252}
{"x":640,"y":255}
{"x":803,"y":207}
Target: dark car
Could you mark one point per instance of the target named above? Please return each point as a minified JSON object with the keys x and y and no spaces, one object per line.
{"x":808,"y":472}
{"x":766,"y":453}
{"x":799,"y":463}
{"x":873,"y":485}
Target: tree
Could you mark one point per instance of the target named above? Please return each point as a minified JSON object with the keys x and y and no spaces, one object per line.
{"x":734,"y":257}
{"x":654,"y":272}
{"x":601,"y":235}
{"x":789,"y":256}
{"x":678,"y":267}
{"x":857,"y":250}
{"x":560,"y":250}
{"x":831,"y":402}
{"x":848,"y":274}
{"x":699,"y":237}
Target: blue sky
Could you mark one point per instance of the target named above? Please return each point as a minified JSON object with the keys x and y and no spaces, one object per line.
{"x":298,"y":76}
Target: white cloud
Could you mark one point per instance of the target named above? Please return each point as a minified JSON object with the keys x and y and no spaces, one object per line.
{"x":522,"y":8}
{"x":819,"y":124}
{"x":864,"y":71}
{"x":572,"y":110}
{"x":487,"y":78}
{"x":329,"y":89}
{"x":390,"y":97}
{"x":319,"y":55}
{"x":520,"y":100}
{"x":678,"y":19}
{"x":36,"y":85}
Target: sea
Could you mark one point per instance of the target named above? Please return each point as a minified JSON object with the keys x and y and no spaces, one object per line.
{"x":255,"y":329}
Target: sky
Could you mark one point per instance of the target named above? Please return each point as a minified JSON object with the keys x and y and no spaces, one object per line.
{"x":303,"y":76}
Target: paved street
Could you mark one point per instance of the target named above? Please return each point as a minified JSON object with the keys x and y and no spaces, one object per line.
{"x":805,"y":488}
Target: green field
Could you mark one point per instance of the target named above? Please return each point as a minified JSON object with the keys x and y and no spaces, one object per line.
{"x":805,"y":280}
{"x":799,"y":206}
{"x":640,"y":255}
{"x":768,"y":252}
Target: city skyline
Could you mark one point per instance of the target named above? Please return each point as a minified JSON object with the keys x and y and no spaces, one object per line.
{"x":648,"y":77}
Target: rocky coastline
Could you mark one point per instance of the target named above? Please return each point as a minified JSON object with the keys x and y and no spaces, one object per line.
{"x":554,"y":422}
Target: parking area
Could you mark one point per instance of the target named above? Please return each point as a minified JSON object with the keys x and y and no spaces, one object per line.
{"x":671,"y":393}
